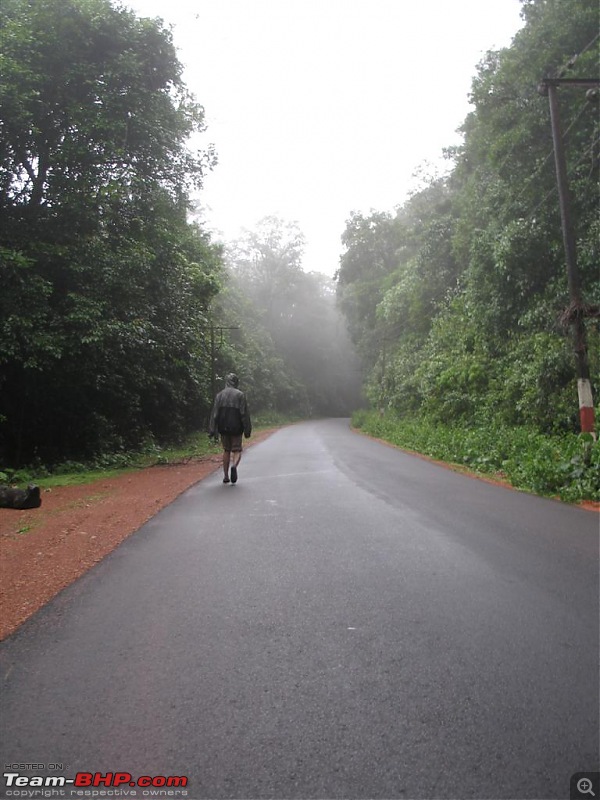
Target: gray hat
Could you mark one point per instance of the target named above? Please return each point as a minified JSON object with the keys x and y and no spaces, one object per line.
{"x":232,"y":380}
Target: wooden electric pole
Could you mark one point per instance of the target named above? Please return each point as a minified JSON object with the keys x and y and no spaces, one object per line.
{"x":214,"y":331}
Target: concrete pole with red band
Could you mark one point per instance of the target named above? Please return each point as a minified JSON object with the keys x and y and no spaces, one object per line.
{"x":586,"y":406}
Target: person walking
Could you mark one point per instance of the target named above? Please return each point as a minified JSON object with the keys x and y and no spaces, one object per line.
{"x":230,"y":418}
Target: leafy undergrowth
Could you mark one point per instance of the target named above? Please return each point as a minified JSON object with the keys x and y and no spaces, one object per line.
{"x":565,"y":466}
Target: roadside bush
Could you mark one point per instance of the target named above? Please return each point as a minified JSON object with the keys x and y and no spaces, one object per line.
{"x":564,"y":465}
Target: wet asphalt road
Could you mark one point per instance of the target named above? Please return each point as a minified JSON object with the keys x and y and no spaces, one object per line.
{"x":348,"y":621}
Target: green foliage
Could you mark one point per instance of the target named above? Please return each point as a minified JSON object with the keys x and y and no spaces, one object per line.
{"x":537,"y":389}
{"x":461,"y":321}
{"x":371,"y":244}
{"x":566,"y":465}
{"x":106,"y":286}
{"x":93,"y":106}
{"x":292,"y":350}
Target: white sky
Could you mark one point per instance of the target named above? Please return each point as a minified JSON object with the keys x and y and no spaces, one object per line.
{"x":322,"y":107}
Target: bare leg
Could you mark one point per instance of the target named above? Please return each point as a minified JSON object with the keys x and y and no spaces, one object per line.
{"x":226,"y":456}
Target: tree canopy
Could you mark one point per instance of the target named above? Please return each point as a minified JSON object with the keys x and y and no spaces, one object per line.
{"x":316,"y":371}
{"x":457,"y":301}
{"x":105,"y":284}
{"x":112,"y":300}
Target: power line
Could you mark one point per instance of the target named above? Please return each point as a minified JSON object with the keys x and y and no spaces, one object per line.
{"x":569,"y":173}
{"x":569,"y":65}
{"x":219,"y":330}
{"x":537,"y":172}
{"x":571,"y":62}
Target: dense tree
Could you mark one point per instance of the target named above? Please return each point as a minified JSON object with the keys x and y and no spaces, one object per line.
{"x":464,"y":319}
{"x":105,"y":284}
{"x":248,"y":348}
{"x":371,"y":247}
{"x":316,"y":368}
{"x":93,"y":108}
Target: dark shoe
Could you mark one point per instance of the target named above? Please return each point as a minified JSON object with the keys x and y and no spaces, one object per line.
{"x":234,"y":474}
{"x":226,"y":480}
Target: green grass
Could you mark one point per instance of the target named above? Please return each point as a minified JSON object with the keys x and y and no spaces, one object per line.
{"x":110,"y":465}
{"x":565,"y":466}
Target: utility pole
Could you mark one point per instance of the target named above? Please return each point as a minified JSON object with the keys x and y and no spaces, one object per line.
{"x":214,"y":331}
{"x":577,"y":309}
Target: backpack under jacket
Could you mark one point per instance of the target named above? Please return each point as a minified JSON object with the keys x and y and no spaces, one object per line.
{"x":230,"y":413}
